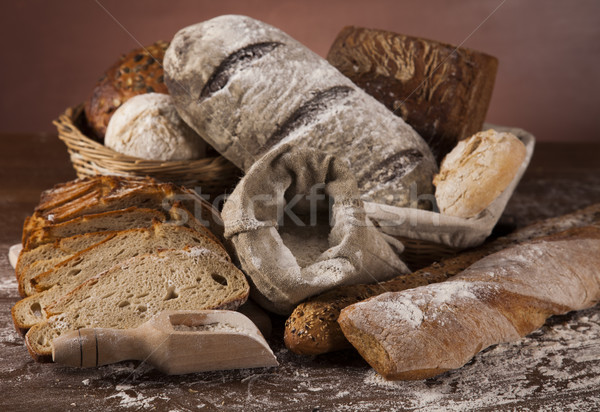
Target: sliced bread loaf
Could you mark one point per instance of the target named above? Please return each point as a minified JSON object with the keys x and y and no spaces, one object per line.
{"x":132,"y":217}
{"x":122,"y":219}
{"x":132,"y":292}
{"x":123,"y":245}
{"x":60,"y":249}
{"x":110,"y":193}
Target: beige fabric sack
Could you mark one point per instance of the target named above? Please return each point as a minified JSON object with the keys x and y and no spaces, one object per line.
{"x":454,"y":232}
{"x":278,"y":221}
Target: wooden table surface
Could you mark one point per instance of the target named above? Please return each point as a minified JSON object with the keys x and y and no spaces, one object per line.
{"x":555,"y":368}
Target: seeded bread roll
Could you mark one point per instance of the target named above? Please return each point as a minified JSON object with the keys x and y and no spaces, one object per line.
{"x":247,"y":87}
{"x":138,"y":72}
{"x":441,"y":90}
{"x":476,"y":171}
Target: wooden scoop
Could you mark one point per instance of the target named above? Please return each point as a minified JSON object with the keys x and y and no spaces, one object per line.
{"x":174,"y":342}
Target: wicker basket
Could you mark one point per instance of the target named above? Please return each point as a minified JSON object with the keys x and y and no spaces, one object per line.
{"x":211,"y":175}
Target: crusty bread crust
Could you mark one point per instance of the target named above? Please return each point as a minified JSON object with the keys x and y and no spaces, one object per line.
{"x":419,"y":333}
{"x":313,"y":329}
{"x":138,"y":72}
{"x":477,"y":171}
{"x":442,"y":91}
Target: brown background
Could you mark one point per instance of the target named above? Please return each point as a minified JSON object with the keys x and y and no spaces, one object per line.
{"x":549,"y":50}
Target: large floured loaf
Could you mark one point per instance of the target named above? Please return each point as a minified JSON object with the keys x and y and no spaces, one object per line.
{"x":247,"y":87}
{"x":133,"y":291}
{"x":422,"y":332}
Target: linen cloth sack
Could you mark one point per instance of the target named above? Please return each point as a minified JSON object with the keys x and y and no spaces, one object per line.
{"x":451,"y":231}
{"x":282,"y":257}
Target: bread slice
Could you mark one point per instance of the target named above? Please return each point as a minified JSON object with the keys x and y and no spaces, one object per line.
{"x":60,"y":249}
{"x":109,"y":193}
{"x":132,"y":217}
{"x":124,"y":219}
{"x":123,"y":245}
{"x":74,"y":192}
{"x":132,"y":292}
{"x":104,"y":185}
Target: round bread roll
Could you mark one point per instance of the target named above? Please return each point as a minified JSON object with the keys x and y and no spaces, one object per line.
{"x":148,"y":126}
{"x":138,"y":72}
{"x":477,"y":171}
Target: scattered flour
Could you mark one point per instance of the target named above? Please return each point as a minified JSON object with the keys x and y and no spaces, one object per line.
{"x":136,"y":399}
{"x":210,"y":327}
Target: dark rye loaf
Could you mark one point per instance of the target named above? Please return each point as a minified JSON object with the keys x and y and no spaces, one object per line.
{"x":442,"y":91}
{"x":247,"y":87}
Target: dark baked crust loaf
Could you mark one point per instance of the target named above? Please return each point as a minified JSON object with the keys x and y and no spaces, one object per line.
{"x":140,"y":71}
{"x":442,"y":91}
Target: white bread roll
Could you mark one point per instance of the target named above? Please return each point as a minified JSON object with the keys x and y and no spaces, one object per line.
{"x":148,"y":126}
{"x":477,"y":171}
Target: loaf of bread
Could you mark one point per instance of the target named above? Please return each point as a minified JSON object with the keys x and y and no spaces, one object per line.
{"x":442,"y":91}
{"x":138,"y":72}
{"x":156,"y":257}
{"x":122,"y":245}
{"x":312,"y":328}
{"x":99,"y":222}
{"x":100,"y":194}
{"x":247,"y":87}
{"x":148,"y":126}
{"x":422,"y":332}
{"x":476,"y":172}
{"x":133,"y":291}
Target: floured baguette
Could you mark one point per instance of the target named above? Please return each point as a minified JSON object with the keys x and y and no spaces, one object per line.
{"x":422,"y":332}
{"x":132,"y":292}
{"x":313,"y":329}
{"x":53,"y":284}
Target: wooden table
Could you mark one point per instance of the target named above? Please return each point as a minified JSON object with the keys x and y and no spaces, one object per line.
{"x":555,"y":368}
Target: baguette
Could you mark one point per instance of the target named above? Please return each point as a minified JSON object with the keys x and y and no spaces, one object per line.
{"x":423,"y":332}
{"x":313,"y":329}
{"x":135,"y":290}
